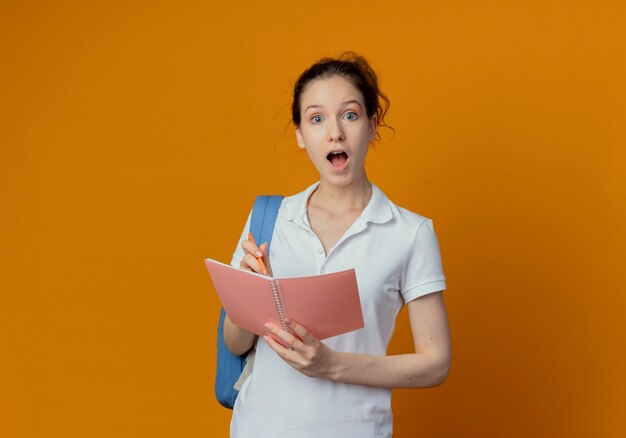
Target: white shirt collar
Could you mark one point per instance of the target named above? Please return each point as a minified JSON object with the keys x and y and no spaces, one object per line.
{"x":377,"y":210}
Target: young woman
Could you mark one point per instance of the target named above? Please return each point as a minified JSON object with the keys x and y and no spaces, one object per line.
{"x":342,"y":387}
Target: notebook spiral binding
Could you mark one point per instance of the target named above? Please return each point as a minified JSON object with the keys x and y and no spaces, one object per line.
{"x":280,"y":306}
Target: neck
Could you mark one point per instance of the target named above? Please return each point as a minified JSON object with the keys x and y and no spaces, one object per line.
{"x":353,"y":196}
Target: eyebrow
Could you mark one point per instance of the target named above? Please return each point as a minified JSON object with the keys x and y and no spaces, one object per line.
{"x":347,"y":102}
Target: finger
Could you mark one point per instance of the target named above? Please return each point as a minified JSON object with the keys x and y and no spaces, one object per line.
{"x":301,"y":332}
{"x":251,"y":248}
{"x":266,"y":257}
{"x":276,"y":346}
{"x":289,"y":339}
{"x":250,"y":261}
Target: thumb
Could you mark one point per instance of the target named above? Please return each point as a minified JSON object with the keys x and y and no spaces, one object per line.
{"x":266,"y":257}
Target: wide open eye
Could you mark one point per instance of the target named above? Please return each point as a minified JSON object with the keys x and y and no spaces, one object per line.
{"x":351,"y":115}
{"x":317,"y":119}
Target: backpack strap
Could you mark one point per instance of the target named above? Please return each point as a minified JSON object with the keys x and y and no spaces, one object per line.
{"x":264,"y":214}
{"x":230,"y":367}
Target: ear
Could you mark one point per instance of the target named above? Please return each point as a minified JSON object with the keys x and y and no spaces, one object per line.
{"x":372,"y":128}
{"x":299,"y":139}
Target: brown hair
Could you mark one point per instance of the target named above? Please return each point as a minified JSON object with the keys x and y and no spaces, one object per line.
{"x":358,"y":72}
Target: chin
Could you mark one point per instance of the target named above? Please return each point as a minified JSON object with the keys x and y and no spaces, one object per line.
{"x":340,"y":180}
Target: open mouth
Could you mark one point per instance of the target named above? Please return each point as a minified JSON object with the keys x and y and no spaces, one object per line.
{"x":337,"y":158}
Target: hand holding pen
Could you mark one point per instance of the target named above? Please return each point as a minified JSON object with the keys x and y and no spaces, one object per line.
{"x":256,"y":257}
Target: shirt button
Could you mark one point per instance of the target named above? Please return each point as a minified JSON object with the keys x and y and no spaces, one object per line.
{"x":320,"y":250}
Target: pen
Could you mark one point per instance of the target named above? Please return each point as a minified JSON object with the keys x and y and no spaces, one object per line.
{"x":260,"y":259}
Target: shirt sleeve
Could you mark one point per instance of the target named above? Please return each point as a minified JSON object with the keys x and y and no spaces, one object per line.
{"x":239,"y":253}
{"x":423,"y":273}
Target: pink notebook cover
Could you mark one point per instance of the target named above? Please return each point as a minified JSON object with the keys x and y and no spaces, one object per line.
{"x":327,"y":305}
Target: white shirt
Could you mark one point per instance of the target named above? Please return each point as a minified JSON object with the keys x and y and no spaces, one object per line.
{"x":396,"y":257}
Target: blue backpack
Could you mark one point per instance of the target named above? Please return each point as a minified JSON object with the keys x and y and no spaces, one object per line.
{"x":229,"y":366}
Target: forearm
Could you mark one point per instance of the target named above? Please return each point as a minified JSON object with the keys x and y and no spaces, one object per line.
{"x":419,"y":370}
{"x":238,"y":340}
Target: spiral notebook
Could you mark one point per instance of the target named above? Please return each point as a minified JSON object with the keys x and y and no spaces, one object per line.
{"x":327,"y":305}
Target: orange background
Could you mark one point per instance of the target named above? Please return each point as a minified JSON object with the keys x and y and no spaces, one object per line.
{"x":135,"y":135}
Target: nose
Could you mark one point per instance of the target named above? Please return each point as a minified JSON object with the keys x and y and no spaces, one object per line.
{"x":336,"y":133}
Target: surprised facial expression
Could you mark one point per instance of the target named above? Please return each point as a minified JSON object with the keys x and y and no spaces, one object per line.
{"x":335,"y":129}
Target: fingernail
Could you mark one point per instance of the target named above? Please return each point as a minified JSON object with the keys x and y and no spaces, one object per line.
{"x":259,"y":253}
{"x":269,"y":326}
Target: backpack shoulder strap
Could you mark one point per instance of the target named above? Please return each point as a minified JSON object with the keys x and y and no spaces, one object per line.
{"x":264,"y":214}
{"x":230,"y":367}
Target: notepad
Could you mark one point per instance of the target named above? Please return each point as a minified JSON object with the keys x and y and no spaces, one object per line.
{"x":326,"y":305}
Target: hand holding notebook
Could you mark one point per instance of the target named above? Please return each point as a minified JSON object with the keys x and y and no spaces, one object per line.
{"x":327,"y":305}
